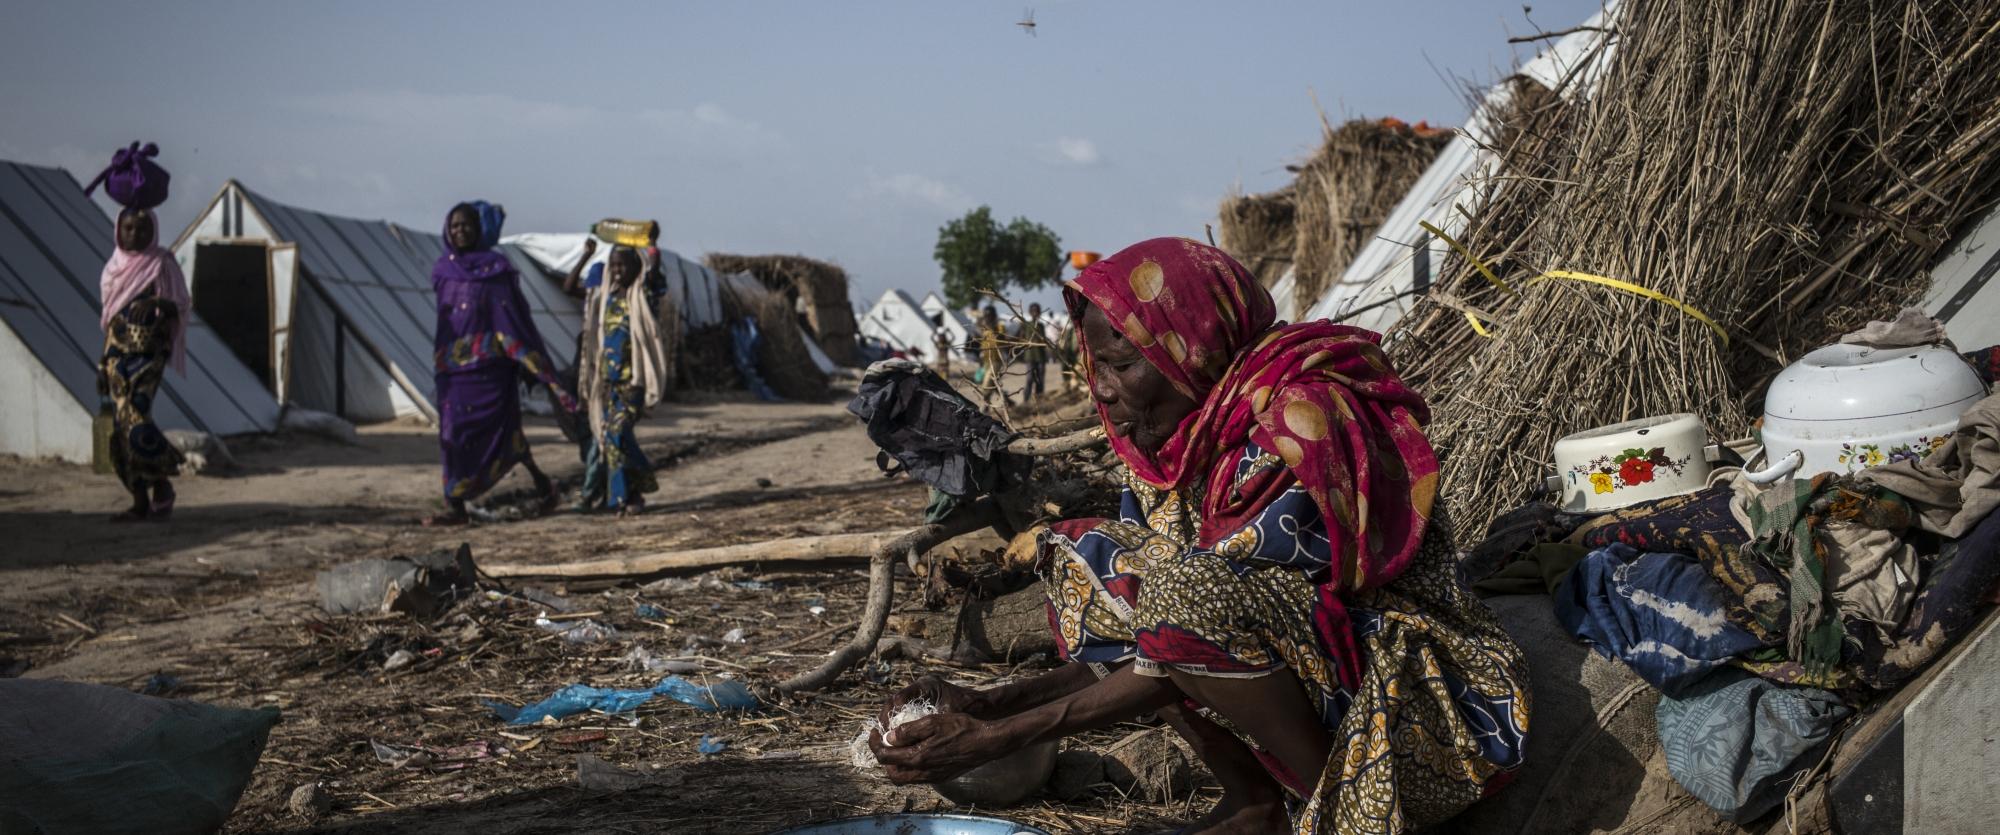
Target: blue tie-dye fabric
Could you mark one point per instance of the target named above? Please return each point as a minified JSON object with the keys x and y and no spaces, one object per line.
{"x":1661,"y":614}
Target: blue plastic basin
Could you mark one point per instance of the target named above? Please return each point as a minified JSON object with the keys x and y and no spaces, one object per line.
{"x":915,"y":824}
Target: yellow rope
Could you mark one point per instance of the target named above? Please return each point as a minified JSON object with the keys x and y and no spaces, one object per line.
{"x":1569,"y":275}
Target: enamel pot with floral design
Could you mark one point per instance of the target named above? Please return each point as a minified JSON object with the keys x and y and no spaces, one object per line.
{"x":1627,"y":463}
{"x":1845,"y":408}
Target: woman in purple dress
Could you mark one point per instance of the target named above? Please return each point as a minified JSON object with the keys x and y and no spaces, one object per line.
{"x":486,"y":343}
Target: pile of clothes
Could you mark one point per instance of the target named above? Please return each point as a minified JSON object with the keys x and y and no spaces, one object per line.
{"x":1764,"y":614}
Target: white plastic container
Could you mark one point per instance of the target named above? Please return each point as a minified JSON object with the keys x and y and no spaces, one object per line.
{"x":1627,"y":463}
{"x":1845,"y":408}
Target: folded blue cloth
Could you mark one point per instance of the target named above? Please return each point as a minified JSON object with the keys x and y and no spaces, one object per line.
{"x":1661,"y":614}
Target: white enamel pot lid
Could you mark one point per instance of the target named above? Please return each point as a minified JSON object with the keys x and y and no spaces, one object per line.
{"x":1854,"y":382}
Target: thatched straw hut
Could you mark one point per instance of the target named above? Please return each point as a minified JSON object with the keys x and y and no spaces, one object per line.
{"x":1788,"y":170}
{"x":1347,"y":188}
{"x":823,"y":286}
{"x":1259,"y":230}
{"x":783,"y":360}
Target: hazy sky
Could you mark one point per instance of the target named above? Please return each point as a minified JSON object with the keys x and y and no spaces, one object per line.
{"x":843,"y":131}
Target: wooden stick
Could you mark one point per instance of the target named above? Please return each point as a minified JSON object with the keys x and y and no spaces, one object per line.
{"x":1072,"y":442}
{"x":799,"y":549}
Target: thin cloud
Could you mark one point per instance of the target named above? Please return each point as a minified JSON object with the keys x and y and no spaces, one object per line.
{"x":705,"y":128}
{"x":919,"y":190}
{"x":1072,"y":150}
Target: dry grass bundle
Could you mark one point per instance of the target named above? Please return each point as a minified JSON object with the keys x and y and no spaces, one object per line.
{"x":822,"y":285}
{"x":1258,"y":230}
{"x":1362,"y":170}
{"x":782,"y":357}
{"x":1790,"y":169}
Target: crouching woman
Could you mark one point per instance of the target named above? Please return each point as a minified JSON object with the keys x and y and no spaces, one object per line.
{"x":1279,"y":583}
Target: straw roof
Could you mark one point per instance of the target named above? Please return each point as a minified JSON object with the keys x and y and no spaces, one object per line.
{"x":1342,"y":194}
{"x":824,"y":287}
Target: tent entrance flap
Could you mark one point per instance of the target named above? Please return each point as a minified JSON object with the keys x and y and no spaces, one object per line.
{"x":231,"y":286}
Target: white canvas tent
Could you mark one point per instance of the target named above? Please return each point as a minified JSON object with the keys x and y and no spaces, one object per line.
{"x":952,"y":322}
{"x":336,"y":313}
{"x":1401,"y":261}
{"x":53,"y":245}
{"x":1963,"y":291}
{"x":900,"y":323}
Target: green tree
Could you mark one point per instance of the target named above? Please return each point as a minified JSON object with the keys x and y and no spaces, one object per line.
{"x":977,"y":254}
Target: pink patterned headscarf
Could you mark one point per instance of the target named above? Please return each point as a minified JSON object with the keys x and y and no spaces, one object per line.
{"x":1320,"y":396}
{"x":128,"y":274}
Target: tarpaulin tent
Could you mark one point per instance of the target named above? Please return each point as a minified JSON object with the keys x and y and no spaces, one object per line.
{"x":337,"y":314}
{"x":1400,"y":262}
{"x":899,"y":322}
{"x":53,"y":245}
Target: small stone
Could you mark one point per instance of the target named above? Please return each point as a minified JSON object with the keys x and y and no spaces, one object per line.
{"x":1148,"y":765}
{"x":399,"y":659}
{"x":310,"y":801}
{"x":1077,"y":773}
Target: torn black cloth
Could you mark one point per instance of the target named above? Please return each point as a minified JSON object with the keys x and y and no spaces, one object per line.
{"x":933,"y":432}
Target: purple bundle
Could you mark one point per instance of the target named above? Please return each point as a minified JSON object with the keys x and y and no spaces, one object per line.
{"x":133,"y":179}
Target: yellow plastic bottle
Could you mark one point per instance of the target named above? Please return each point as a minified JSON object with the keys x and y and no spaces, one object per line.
{"x":632,"y":233}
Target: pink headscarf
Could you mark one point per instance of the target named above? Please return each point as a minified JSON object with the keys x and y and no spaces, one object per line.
{"x":1320,"y":396}
{"x":128,"y":274}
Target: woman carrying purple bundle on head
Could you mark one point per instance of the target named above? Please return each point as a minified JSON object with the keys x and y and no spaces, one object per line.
{"x":144,"y":314}
{"x":486,"y":343}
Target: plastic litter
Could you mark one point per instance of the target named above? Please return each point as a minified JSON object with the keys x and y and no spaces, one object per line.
{"x":581,"y":698}
{"x":398,"y":660}
{"x":648,"y":611}
{"x":739,"y":635}
{"x":584,"y":631}
{"x":421,"y":586}
{"x":710,"y":746}
{"x":645,"y":660}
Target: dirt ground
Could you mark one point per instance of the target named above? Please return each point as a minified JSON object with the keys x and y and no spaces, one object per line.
{"x":218,"y":606}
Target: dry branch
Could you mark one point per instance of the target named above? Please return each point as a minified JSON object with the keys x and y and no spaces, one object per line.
{"x":799,"y":549}
{"x":882,"y":586}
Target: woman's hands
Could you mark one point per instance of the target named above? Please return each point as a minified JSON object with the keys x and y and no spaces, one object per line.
{"x":949,"y":698}
{"x":939,"y":747}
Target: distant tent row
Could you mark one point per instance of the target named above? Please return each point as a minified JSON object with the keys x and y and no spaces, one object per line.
{"x":907,"y":325}
{"x":291,"y":306}
{"x":53,"y":245}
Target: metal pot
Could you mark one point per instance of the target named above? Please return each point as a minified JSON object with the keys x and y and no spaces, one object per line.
{"x":1623,"y":464}
{"x":1005,"y":781}
{"x":1845,"y":408}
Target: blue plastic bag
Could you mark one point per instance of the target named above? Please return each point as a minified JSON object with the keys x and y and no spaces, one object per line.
{"x":581,"y":698}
